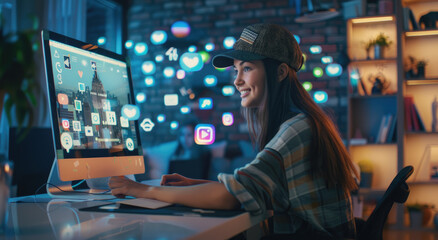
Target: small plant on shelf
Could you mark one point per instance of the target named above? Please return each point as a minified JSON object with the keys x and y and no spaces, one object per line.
{"x":366,"y":173}
{"x":421,"y":68}
{"x":382,"y":40}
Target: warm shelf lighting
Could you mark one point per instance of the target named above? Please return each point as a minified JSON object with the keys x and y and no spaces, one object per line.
{"x":372,"y":19}
{"x":421,"y":33}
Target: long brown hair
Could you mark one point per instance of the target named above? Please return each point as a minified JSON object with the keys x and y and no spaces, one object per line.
{"x":282,"y":100}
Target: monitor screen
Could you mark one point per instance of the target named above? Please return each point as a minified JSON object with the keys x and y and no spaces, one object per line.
{"x":94,"y":117}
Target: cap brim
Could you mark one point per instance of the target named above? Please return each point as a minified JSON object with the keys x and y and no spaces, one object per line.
{"x":226,"y":59}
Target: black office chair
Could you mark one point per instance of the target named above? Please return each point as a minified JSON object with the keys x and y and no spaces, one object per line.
{"x":398,"y":191}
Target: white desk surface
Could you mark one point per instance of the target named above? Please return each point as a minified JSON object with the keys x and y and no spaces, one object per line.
{"x":59,"y":219}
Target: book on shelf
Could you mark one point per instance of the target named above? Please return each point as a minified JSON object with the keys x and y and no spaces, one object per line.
{"x":358,"y":141}
{"x":385,"y":125}
{"x":414,"y":122}
{"x":408,"y":101}
{"x":409,"y":22}
{"x":392,"y":133}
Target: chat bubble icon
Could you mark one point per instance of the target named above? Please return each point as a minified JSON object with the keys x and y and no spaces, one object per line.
{"x":81,"y":87}
{"x":66,"y":141}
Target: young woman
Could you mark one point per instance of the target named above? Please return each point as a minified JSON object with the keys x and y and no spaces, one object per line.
{"x":303,"y":171}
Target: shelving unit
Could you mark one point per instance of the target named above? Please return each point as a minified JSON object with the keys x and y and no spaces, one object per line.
{"x":367,"y":111}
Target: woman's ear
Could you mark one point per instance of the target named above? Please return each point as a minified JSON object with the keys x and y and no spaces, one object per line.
{"x":282,"y":72}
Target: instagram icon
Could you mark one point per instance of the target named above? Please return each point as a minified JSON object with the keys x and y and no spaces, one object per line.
{"x":227,"y":119}
{"x":204,"y":134}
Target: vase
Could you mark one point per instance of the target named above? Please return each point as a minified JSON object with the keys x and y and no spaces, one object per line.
{"x":416,"y":219}
{"x":378,"y":51}
{"x":435,"y":221}
{"x":421,"y":72}
{"x":366,"y":179}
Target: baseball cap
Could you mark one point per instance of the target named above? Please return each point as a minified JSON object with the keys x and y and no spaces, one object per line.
{"x":260,"y":41}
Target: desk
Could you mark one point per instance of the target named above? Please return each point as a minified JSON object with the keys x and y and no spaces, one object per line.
{"x":59,"y":219}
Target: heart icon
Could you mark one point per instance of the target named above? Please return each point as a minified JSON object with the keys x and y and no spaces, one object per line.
{"x":148,"y":67}
{"x":158,"y":37}
{"x":191,"y":62}
{"x":80,"y":73}
{"x":130,"y":112}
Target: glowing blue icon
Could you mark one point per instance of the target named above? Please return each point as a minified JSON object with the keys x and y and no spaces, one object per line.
{"x":192,"y":48}
{"x":161,"y":118}
{"x":101,"y":41}
{"x":185,"y":109}
{"x":209,"y":47}
{"x":129,"y":44}
{"x":205,"y":103}
{"x":315,"y":49}
{"x":180,"y":29}
{"x":297,"y":38}
{"x":158,"y":37}
{"x":333,"y":70}
{"x":159,"y":58}
{"x":141,"y":48}
{"x":174,"y":125}
{"x":140,"y":97}
{"x":327,"y":59}
{"x":180,"y":74}
{"x":130,"y":112}
{"x":171,"y":99}
{"x":229,"y":42}
{"x":320,"y":97}
{"x":228,"y":90}
{"x":191,"y":62}
{"x":169,"y":72}
{"x":210,"y":80}
{"x":354,"y":76}
{"x":148,"y":67}
{"x":149,"y":81}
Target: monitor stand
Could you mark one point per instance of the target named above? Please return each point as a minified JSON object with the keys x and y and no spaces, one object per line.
{"x":56,"y":188}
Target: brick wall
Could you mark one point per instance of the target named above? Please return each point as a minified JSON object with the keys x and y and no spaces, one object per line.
{"x":212,"y":21}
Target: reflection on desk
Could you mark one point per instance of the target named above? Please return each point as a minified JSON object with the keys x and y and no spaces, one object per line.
{"x":62,"y":220}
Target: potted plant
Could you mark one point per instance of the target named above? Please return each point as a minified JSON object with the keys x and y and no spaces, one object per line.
{"x":366,"y":173}
{"x":381,"y":42}
{"x":18,"y":87}
{"x":420,"y":215}
{"x":421,"y":65}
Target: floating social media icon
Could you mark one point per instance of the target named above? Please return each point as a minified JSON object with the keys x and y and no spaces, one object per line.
{"x":158,"y":37}
{"x":78,"y":105}
{"x":59,"y":76}
{"x":130,"y":112}
{"x":67,"y":64}
{"x":210,"y":80}
{"x":172,"y":53}
{"x":76,"y":142}
{"x":88,"y":131}
{"x":124,"y":122}
{"x":93,"y":65}
{"x":106,"y":105}
{"x":65,"y":123}
{"x":315,"y":49}
{"x":205,"y":103}
{"x":161,"y":118}
{"x":327,"y":59}
{"x":58,"y":67}
{"x":192,"y":48}
{"x":180,"y":74}
{"x":229,"y":42}
{"x":318,"y":72}
{"x":204,"y":134}
{"x":81,"y":87}
{"x":149,"y":81}
{"x":228,"y":90}
{"x":307,"y":85}
{"x":333,"y":70}
{"x":159,"y":58}
{"x":66,"y":141}
{"x":62,"y":99}
{"x":191,"y":62}
{"x":56,"y":54}
{"x":174,"y":125}
{"x":129,"y":144}
{"x":169,"y":72}
{"x":147,"y":125}
{"x":320,"y":97}
{"x":101,"y":41}
{"x":185,"y":109}
{"x":95,"y":118}
{"x":148,"y":67}
{"x":141,"y":48}
{"x":80,"y":73}
{"x":205,"y":56}
{"x":140,"y":97}
{"x":180,"y":29}
{"x":111,"y":118}
{"x":171,"y":99}
{"x":297,"y":38}
{"x":76,"y":126}
{"x":209,"y":47}
{"x":129,"y":44}
{"x":227,"y":119}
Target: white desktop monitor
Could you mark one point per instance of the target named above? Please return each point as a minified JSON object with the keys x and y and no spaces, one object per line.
{"x":91,"y":102}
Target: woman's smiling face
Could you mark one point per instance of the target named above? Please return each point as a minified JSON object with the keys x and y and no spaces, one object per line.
{"x":250,"y":79}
